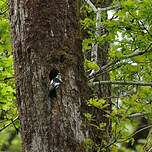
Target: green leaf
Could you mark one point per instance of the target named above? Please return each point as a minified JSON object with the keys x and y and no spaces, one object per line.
{"x":90,"y":65}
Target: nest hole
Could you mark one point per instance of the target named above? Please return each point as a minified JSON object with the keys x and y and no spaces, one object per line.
{"x":53,"y":74}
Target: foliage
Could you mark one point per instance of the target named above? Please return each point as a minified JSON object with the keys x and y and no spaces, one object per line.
{"x":129,"y":31}
{"x":8,"y":110}
{"x":90,"y":65}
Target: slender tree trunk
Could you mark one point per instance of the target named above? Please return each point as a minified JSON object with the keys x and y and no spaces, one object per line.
{"x":148,"y":145}
{"x":46,"y":39}
{"x":103,"y":91}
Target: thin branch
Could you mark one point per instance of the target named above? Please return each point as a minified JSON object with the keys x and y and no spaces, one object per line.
{"x":110,"y":97}
{"x":102,"y":69}
{"x":17,"y":130}
{"x":100,"y":9}
{"x":134,"y":115}
{"x":139,"y":53}
{"x":91,"y":5}
{"x":8,"y":78}
{"x":109,"y":8}
{"x":1,"y":13}
{"x":149,"y":126}
{"x":123,"y":58}
{"x":129,"y":137}
{"x":7,"y":125}
{"x":125,"y":83}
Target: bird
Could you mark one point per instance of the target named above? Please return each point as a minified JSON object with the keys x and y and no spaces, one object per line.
{"x":54,"y":84}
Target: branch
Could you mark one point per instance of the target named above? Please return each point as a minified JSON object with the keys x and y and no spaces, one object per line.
{"x":8,"y":124}
{"x":102,"y":69}
{"x":8,"y":78}
{"x":17,"y":130}
{"x":91,"y":5}
{"x":139,"y":53}
{"x":129,"y":137}
{"x":125,"y":83}
{"x":134,"y":115}
{"x":135,"y":133}
{"x":123,"y":58}
{"x":108,"y":8}
{"x":100,"y":9}
{"x":1,"y":13}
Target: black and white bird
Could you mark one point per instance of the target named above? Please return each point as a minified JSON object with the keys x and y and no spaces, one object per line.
{"x":54,"y":84}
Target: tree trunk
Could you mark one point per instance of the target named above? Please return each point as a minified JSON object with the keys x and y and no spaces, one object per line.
{"x":148,"y":145}
{"x":103,"y":91}
{"x":46,"y":39}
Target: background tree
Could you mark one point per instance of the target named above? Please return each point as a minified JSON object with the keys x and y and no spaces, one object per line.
{"x":98,"y":57}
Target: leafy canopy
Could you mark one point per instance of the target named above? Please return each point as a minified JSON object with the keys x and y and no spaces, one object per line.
{"x":129,"y":33}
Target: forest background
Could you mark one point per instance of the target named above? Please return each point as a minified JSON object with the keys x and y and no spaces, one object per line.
{"x":128,"y":31}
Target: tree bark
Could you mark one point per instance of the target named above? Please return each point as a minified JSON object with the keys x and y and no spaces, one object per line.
{"x":148,"y":145}
{"x":101,"y":137}
{"x":103,"y":91}
{"x":46,"y":38}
